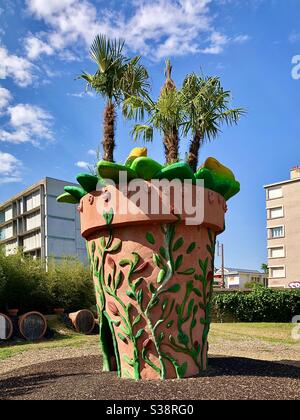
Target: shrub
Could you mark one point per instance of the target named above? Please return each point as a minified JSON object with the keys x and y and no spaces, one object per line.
{"x":70,"y":285}
{"x":260,"y":305}
{"x":25,"y":284}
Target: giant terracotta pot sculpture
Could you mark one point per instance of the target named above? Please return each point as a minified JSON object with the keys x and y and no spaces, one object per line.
{"x":153,"y":277}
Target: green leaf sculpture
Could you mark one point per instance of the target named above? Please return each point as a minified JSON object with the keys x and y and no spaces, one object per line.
{"x":109,"y":170}
{"x":88,"y":182}
{"x":67,"y":199}
{"x":180,"y":170}
{"x":76,"y":192}
{"x":146,"y":168}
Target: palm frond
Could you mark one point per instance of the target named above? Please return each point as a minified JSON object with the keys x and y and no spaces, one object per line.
{"x":145,"y":132}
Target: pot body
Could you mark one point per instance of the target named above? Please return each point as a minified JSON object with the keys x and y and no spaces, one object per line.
{"x":153,"y":281}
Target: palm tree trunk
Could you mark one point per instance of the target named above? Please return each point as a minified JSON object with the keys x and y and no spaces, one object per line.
{"x":109,"y":132}
{"x":171,"y":146}
{"x":194,"y":150}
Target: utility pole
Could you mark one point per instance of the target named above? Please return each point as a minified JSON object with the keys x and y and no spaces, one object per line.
{"x":221,"y":253}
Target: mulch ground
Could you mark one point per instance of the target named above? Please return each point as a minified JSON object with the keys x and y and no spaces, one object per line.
{"x":82,"y":379}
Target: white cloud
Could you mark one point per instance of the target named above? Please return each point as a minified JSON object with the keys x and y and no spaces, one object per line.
{"x":10,"y":168}
{"x":82,"y":165}
{"x":27,"y":123}
{"x":156,"y":28}
{"x":82,"y":95}
{"x":18,"y":68}
{"x":5,"y":98}
{"x":92,"y":152}
{"x":35,"y":47}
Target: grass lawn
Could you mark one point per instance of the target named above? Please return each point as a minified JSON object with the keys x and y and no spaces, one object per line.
{"x":268,"y":332}
{"x":230,"y":335}
{"x":63,"y":337}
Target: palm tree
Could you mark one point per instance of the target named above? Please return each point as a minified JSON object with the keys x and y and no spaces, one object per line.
{"x":116,"y":78}
{"x":265,"y":268}
{"x":206,"y":108}
{"x":165,"y":115}
{"x":171,"y":136}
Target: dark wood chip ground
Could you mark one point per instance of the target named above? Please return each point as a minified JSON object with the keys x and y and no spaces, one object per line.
{"x":82,"y":379}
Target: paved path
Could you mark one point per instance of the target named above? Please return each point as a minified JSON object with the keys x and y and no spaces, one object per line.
{"x":81,"y":378}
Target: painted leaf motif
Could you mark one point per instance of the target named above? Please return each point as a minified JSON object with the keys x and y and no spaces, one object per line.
{"x":154,"y":303}
{"x":130,"y":294}
{"x":190,"y":307}
{"x":165,"y":304}
{"x":150,"y":238}
{"x":183,"y":338}
{"x":170,"y":324}
{"x":137,"y":320}
{"x":178,"y":262}
{"x":194,"y":322}
{"x":163,"y":252}
{"x":174,"y":289}
{"x":191,"y":248}
{"x":181,"y":370}
{"x":156,"y":259}
{"x":178,"y":244}
{"x":152,"y":288}
{"x":116,"y":247}
{"x":103,"y":242}
{"x":128,"y":360}
{"x":124,"y":262}
{"x":138,"y":283}
{"x":123,"y":338}
{"x":119,"y":279}
{"x":161,"y":276}
{"x":197,"y":292}
{"x":140,"y":295}
{"x":187,"y":272}
{"x":108,"y":216}
{"x":139,"y":333}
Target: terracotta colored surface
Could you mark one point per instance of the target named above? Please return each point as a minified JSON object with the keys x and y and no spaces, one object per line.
{"x":74,"y":317}
{"x":93,"y":204}
{"x":154,"y":307}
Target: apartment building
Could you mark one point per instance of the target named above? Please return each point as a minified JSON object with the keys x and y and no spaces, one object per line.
{"x":283,"y":226}
{"x":34,"y":221}
{"x":237,"y":278}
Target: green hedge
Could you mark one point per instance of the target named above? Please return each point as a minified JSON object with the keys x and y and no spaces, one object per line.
{"x":260,"y":305}
{"x":25,"y":285}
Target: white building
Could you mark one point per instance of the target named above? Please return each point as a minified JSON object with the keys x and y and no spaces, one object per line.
{"x":34,"y":221}
{"x":236,"y":278}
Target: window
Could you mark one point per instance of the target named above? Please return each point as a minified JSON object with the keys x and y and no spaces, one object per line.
{"x":277,"y":252}
{"x":276,"y":232}
{"x":275,"y":193}
{"x":277,"y":272}
{"x":275,"y":212}
{"x":33,"y":201}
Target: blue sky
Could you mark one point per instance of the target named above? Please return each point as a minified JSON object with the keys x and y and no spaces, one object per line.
{"x":48,"y":125}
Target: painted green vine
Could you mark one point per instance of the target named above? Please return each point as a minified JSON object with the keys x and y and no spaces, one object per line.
{"x":131,"y":319}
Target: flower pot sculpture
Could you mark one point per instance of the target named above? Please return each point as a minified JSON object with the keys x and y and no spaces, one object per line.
{"x":153,"y":273}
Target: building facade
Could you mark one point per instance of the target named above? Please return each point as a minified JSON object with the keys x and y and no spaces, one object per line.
{"x":283,"y":227}
{"x":236,"y":278}
{"x":35,"y":222}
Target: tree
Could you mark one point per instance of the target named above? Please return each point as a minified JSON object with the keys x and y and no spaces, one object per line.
{"x":206,"y":107}
{"x":265,"y":268}
{"x":165,"y":115}
{"x":116,"y":78}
